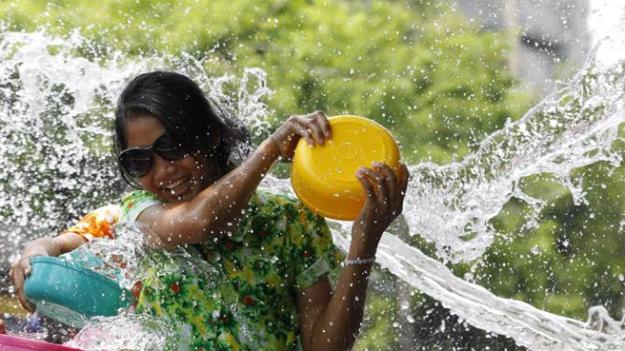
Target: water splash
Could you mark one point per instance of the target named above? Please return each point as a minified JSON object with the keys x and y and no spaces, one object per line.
{"x":125,"y":332}
{"x":451,"y":205}
{"x":56,"y":112}
{"x":117,"y":259}
{"x":527,"y":325}
{"x":55,"y":115}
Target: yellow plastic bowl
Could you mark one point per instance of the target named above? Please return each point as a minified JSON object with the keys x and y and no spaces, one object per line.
{"x":324,"y":176}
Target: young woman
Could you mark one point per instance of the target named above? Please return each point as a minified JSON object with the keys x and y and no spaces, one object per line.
{"x":264,"y":285}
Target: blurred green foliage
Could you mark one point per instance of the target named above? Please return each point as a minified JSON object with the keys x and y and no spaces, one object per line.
{"x":437,"y":82}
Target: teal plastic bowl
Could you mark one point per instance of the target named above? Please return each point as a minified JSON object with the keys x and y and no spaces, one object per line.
{"x":71,"y":293}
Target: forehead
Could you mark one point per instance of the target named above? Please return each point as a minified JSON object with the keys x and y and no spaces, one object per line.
{"x":142,"y":130}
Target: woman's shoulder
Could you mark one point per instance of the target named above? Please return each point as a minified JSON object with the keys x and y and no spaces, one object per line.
{"x":97,"y":223}
{"x":135,"y":202}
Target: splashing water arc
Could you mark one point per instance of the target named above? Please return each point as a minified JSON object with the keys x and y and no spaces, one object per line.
{"x":56,"y":111}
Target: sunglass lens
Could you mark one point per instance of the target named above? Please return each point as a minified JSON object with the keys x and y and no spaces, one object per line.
{"x":171,"y":155}
{"x":168,"y":148}
{"x":137,"y":163}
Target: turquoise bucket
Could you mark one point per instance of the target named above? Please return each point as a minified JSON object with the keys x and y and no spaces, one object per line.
{"x":70,"y":293}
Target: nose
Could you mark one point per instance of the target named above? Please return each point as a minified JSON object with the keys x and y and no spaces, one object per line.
{"x":162,"y":169}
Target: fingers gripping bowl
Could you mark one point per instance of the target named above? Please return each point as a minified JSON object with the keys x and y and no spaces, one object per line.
{"x":324,"y":176}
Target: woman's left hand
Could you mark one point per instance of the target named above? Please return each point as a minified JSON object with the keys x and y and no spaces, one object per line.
{"x":385,"y":193}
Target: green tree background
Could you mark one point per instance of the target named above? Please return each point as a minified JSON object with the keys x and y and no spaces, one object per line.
{"x":437,"y":82}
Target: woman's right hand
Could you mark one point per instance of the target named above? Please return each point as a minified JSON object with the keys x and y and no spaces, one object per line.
{"x":21,"y":269}
{"x":313,"y":127}
{"x":46,"y":246}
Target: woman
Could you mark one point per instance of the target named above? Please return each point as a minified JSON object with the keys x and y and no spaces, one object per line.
{"x":265,"y":285}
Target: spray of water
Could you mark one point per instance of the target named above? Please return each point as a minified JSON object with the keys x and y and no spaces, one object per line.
{"x":117,"y":259}
{"x":451,"y":205}
{"x":127,"y":331}
{"x":123,"y":259}
{"x":56,"y":111}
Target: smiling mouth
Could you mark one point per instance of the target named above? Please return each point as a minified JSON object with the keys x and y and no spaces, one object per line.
{"x":177,"y":187}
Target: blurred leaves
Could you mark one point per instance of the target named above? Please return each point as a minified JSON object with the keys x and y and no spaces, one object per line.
{"x":437,"y":82}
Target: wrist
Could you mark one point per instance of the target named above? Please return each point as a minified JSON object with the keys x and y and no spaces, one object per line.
{"x":45,"y":246}
{"x":35,"y":250}
{"x":359,"y":248}
{"x":357,"y":253}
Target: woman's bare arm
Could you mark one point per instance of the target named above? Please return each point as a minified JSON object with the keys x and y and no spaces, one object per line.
{"x":46,"y":246}
{"x":216,"y":210}
{"x":331,"y":321}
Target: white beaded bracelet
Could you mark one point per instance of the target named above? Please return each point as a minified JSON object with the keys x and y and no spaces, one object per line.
{"x":359,"y":261}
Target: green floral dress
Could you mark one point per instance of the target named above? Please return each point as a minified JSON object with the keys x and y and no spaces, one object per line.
{"x":239,"y":293}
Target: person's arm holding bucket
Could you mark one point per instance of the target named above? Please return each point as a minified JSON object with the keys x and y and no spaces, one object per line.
{"x":216,"y":209}
{"x":95,"y":224}
{"x":46,"y":246}
{"x":331,"y":321}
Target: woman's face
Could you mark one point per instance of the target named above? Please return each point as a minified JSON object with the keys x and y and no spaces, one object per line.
{"x":171,"y":181}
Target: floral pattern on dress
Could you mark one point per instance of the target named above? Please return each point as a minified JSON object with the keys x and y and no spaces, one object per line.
{"x":97,"y":223}
{"x":244,"y":295}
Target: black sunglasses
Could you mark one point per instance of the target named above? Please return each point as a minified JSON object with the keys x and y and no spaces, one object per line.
{"x":137,"y":161}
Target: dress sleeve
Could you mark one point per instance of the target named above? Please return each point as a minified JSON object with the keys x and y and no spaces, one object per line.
{"x":134,"y":203}
{"x":311,"y":244}
{"x":97,"y":223}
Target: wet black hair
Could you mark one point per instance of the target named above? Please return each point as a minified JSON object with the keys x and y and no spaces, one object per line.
{"x":189,"y":116}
